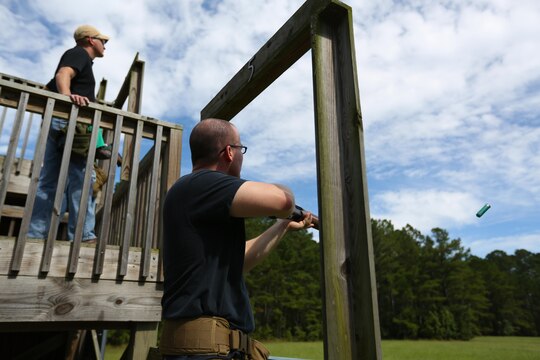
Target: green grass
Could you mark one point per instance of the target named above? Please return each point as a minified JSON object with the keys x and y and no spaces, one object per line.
{"x":114,"y":352}
{"x":302,"y":350}
{"x":492,"y":348}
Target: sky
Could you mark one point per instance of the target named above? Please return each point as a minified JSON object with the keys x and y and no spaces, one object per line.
{"x":449,"y":93}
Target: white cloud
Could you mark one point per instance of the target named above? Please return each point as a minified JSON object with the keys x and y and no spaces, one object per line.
{"x":450,"y":91}
{"x":425,"y":209}
{"x":508,"y":244}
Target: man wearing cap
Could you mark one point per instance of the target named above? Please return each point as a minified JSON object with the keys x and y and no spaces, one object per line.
{"x":73,"y":77}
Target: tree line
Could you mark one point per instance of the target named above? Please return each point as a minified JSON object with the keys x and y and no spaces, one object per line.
{"x":429,"y":286}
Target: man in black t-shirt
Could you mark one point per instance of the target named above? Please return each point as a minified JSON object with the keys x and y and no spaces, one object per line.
{"x":73,"y":77}
{"x":205,"y":250}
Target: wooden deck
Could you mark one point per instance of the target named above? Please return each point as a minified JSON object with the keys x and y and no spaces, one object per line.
{"x":53,"y":285}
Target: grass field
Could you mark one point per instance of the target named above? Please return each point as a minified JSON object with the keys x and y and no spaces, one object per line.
{"x":492,"y":348}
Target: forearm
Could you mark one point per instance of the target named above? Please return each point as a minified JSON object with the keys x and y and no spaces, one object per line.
{"x":259,"y":248}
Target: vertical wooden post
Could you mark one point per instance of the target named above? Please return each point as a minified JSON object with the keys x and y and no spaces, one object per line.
{"x":169,"y":174}
{"x":3,"y":118}
{"x":12,"y":148}
{"x":102,"y":89}
{"x":152,"y":205}
{"x":103,"y":238}
{"x":39,"y":154}
{"x":83,"y":204}
{"x":143,"y":337}
{"x":134,"y":106}
{"x":351,"y":313}
{"x":62,"y":178}
{"x":132,"y":197}
{"x":25,"y":143}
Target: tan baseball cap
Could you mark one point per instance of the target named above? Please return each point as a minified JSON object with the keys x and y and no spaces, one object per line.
{"x":88,"y":31}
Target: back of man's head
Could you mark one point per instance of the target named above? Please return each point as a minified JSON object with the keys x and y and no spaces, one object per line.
{"x":207,"y":139}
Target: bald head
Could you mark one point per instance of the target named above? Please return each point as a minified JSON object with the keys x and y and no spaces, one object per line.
{"x":208,"y":138}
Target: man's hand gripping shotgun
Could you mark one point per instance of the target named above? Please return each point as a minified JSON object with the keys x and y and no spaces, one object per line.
{"x":298,"y":214}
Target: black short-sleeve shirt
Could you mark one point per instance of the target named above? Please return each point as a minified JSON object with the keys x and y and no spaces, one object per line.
{"x":83,"y":83}
{"x":203,"y":251}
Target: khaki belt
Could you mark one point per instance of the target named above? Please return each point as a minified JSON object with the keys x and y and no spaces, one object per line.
{"x":207,"y":336}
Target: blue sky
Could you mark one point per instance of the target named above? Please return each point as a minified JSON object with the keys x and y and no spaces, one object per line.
{"x":450,"y":96}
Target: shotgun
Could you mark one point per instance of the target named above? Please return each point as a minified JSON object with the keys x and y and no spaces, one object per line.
{"x":298,"y":214}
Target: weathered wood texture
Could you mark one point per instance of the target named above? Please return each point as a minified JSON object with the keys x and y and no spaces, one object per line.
{"x":132,"y":88}
{"x":32,"y":299}
{"x":135,"y":221}
{"x":12,"y":148}
{"x":352,"y":323}
{"x":325,"y":26}
{"x":74,"y":285}
{"x":60,"y":251}
{"x":18,"y":182}
{"x":10,"y":96}
{"x":279,"y":53}
{"x":81,"y":216}
{"x":107,"y":205}
{"x":143,"y":337}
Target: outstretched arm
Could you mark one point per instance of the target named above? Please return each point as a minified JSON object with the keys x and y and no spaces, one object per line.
{"x":259,"y":248}
{"x":256,"y":199}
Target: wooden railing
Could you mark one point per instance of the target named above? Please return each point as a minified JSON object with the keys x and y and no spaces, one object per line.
{"x":127,"y":211}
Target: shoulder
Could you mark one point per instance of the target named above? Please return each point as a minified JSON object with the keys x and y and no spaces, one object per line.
{"x":76,"y":55}
{"x":207,"y":180}
{"x":76,"y":51}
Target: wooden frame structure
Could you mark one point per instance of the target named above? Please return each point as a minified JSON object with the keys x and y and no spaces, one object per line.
{"x":55,"y":285}
{"x":350,"y":297}
{"x":116,"y":283}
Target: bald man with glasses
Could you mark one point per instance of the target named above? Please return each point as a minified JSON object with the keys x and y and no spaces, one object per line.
{"x":206,"y":307}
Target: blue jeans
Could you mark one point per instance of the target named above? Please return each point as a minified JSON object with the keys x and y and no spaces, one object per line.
{"x":46,"y":191}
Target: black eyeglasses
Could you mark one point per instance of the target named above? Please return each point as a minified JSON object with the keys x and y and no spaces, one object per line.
{"x":102,"y":41}
{"x":242,"y":148}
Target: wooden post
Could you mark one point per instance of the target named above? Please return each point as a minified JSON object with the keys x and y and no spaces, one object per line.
{"x":39,"y":154}
{"x":352,"y":322}
{"x":351,"y":313}
{"x":169,"y":175}
{"x":132,"y":197}
{"x":83,"y":204}
{"x":103,"y":238}
{"x":3,"y":118}
{"x":25,"y":143}
{"x":152,"y":205}
{"x":134,"y":106}
{"x":62,"y":178}
{"x":143,"y":337}
{"x":102,"y":90}
{"x":12,"y":148}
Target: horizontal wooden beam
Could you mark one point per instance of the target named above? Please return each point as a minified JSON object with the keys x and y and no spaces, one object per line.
{"x":32,"y":299}
{"x":279,"y":53}
{"x":10,"y":93}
